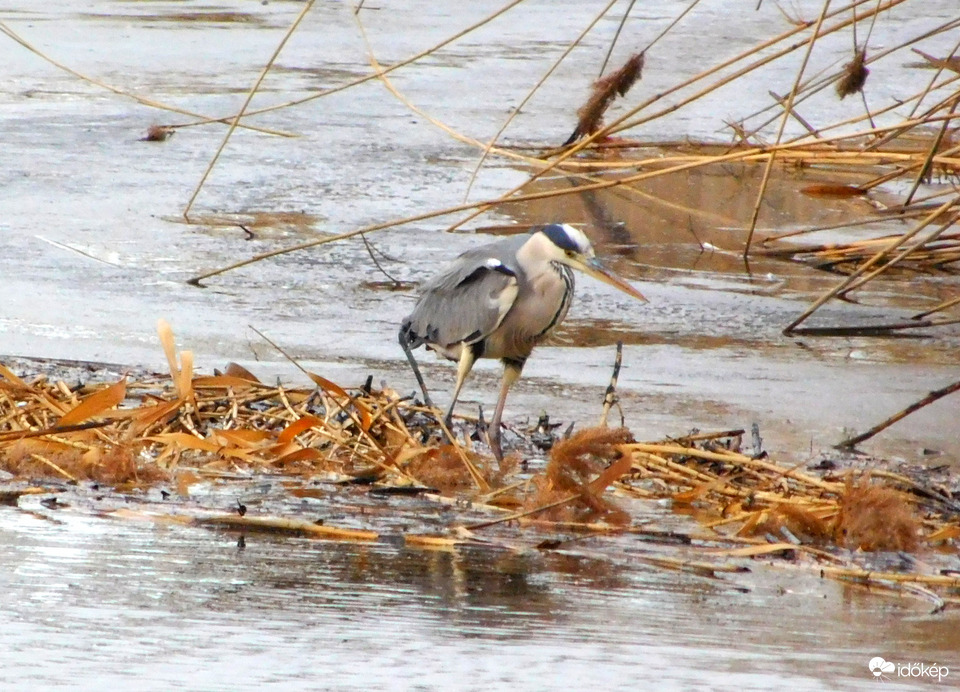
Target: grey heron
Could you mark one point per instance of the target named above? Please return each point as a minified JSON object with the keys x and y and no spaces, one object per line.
{"x":499,"y":301}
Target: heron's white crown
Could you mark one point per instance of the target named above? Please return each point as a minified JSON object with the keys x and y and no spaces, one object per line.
{"x":569,"y":239}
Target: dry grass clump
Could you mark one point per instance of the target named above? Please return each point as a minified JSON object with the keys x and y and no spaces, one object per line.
{"x":580,"y":468}
{"x":183,"y":428}
{"x":866,"y":516}
{"x":874,"y":517}
{"x":753,"y":497}
{"x":217,"y":423}
{"x":225,"y":422}
{"x":442,"y":468}
{"x":114,"y":465}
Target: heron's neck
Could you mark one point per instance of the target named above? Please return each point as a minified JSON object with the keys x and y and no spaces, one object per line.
{"x":533,"y":257}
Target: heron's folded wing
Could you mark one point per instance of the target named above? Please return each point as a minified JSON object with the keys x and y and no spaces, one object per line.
{"x":464,"y":304}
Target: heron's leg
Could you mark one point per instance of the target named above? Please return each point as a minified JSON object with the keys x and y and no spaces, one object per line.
{"x":468,"y":356}
{"x":511,"y":373}
{"x":416,"y":369}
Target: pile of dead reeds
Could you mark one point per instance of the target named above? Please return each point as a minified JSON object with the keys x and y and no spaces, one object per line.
{"x":785,"y":511}
{"x":139,"y":431}
{"x":160,"y":429}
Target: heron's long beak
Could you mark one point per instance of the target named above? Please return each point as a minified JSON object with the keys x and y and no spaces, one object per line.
{"x":594,"y":267}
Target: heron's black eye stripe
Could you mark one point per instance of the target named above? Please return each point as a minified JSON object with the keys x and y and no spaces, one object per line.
{"x":559,"y":237}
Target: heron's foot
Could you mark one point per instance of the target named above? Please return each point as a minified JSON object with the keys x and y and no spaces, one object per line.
{"x":493,"y":439}
{"x":480,"y":432}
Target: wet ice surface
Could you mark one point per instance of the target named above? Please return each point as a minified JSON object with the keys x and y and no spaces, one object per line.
{"x":76,"y":176}
{"x":98,"y":604}
{"x":93,"y":250}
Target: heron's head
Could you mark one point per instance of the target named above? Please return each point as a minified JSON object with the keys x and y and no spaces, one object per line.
{"x":570,"y":246}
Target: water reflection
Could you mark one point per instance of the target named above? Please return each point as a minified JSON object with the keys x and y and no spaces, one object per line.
{"x":697,"y":220}
{"x":116,"y":604}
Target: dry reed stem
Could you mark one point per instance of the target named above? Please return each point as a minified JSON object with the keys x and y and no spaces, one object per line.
{"x":793,"y":112}
{"x":370,"y":77}
{"x":946,"y":64}
{"x":610,"y":397}
{"x":489,"y":146}
{"x":253,"y":90}
{"x":906,"y":252}
{"x":787,"y":109}
{"x":283,"y":525}
{"x":731,"y":458}
{"x":758,"y":153}
{"x":869,"y":263}
{"x":625,"y":123}
{"x":932,"y":152}
{"x":121,"y":92}
{"x":482,"y":206}
{"x":815,"y":87}
{"x":381,"y":73}
{"x":619,"y":125}
{"x":616,"y":36}
{"x":900,"y":577}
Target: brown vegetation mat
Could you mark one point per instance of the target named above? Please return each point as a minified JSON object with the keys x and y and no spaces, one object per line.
{"x":133,"y":434}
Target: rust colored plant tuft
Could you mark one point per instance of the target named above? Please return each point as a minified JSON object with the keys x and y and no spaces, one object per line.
{"x":854,"y":75}
{"x":605,"y":90}
{"x":583,"y":465}
{"x":874,"y":517}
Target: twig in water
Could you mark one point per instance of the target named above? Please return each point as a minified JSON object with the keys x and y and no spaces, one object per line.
{"x":869,"y":330}
{"x":929,"y":399}
{"x":367,"y":244}
{"x":942,"y":306}
{"x":610,"y":398}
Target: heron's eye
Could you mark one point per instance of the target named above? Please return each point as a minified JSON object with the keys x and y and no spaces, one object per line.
{"x":570,"y":253}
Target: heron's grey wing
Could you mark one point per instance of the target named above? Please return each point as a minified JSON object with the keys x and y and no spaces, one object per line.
{"x":464,"y":304}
